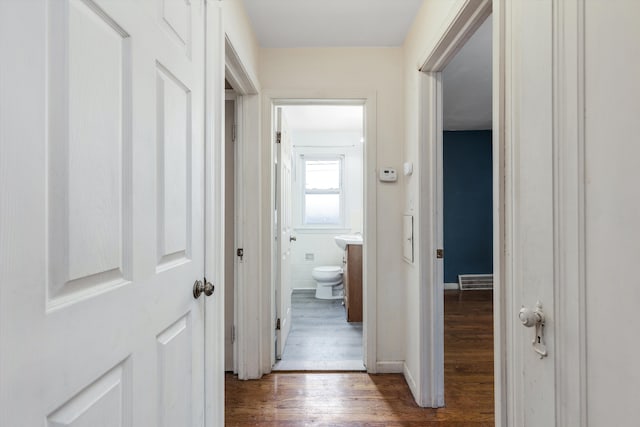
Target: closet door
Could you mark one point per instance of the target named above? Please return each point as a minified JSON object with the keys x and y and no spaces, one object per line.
{"x":102,"y":213}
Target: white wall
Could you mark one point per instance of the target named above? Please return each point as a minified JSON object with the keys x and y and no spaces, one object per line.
{"x":318,"y":243}
{"x":237,"y":28}
{"x":323,"y":71}
{"x":432,"y":19}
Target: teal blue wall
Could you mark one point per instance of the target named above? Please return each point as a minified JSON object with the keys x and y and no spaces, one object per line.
{"x":468,"y":223}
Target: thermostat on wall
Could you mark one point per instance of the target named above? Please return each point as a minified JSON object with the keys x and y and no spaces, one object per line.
{"x":388,"y":175}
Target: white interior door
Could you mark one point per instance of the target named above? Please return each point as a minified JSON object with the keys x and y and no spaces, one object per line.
{"x":102,"y":213}
{"x":285,"y":237}
{"x":572,"y":211}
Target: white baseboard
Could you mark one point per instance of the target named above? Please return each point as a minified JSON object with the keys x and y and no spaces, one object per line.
{"x":392,"y":367}
{"x":451,"y":286}
{"x":408,"y":377}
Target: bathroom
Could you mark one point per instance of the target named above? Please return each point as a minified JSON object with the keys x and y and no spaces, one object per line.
{"x":327,"y":144}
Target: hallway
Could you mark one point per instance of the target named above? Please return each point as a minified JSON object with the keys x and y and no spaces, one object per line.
{"x":355,"y":399}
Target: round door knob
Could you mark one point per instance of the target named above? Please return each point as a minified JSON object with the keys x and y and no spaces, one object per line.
{"x":200,"y":288}
{"x":530,"y":317}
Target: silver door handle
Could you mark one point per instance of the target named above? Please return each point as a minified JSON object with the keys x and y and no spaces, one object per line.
{"x":200,"y":288}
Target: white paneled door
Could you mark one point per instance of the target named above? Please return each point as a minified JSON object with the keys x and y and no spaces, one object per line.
{"x":573,"y":236}
{"x":285,"y":237}
{"x":102,"y":207}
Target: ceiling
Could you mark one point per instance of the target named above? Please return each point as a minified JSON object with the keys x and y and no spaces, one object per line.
{"x":331,"y":23}
{"x":466,"y":82}
{"x":378,"y":23}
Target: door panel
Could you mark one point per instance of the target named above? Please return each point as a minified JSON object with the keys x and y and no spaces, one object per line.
{"x":89,"y":242}
{"x":175,"y":18}
{"x":110,"y":241}
{"x":174,"y":373}
{"x":101,"y":403}
{"x":174,"y":161}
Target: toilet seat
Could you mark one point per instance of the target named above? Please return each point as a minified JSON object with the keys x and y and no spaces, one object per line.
{"x":329,"y":269}
{"x":328,"y":274}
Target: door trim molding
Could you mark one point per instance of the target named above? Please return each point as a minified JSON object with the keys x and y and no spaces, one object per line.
{"x":431,"y":293}
{"x":471,"y":14}
{"x":214,"y":213}
{"x":369,"y":100}
{"x":235,"y":71}
{"x":247,"y":283}
{"x":569,"y":212}
{"x":566,"y":55}
{"x":465,"y":23}
{"x":501,"y":217}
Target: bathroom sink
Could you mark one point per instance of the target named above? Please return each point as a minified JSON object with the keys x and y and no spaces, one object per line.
{"x":348,"y":239}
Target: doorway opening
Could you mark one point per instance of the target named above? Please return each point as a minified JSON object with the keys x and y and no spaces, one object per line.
{"x":466,"y":222}
{"x":319,"y":195}
{"x":433,"y":254}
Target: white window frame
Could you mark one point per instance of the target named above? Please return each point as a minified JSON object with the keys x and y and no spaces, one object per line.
{"x":303,"y":158}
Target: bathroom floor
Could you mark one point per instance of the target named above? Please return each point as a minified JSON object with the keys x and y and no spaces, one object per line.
{"x":321,"y":339}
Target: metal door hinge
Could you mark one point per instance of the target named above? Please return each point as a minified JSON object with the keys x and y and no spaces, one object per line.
{"x":234,"y":130}
{"x":439,"y":253}
{"x":278,"y":137}
{"x":278,"y":324}
{"x":233,"y":333}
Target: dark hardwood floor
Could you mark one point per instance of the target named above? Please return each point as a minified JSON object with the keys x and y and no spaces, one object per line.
{"x":359,"y":399}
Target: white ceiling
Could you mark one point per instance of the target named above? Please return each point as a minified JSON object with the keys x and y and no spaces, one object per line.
{"x":331,"y":23}
{"x":352,"y":23}
{"x":467,"y":84}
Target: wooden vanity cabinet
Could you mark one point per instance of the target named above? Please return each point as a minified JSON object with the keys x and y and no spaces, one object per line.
{"x":352,"y":280}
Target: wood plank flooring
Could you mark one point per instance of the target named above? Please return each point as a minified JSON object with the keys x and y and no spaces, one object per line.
{"x":359,"y":399}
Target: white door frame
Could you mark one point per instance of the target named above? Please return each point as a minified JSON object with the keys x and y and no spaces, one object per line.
{"x":214,"y":214}
{"x":231,"y":95}
{"x":469,"y":18}
{"x":368,"y":100}
{"x":247,"y":162}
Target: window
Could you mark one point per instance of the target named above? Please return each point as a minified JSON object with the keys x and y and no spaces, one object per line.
{"x":322,"y":198}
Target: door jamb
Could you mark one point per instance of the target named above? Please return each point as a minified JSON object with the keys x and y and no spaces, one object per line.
{"x":214,"y":213}
{"x":368,"y":100}
{"x":246,"y":349}
{"x":232,"y":95}
{"x":470,"y":16}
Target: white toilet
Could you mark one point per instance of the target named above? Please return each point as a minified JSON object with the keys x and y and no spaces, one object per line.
{"x":328,"y":282}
